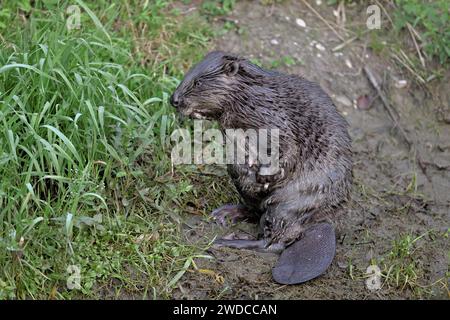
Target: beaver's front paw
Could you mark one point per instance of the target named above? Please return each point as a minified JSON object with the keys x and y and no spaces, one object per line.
{"x":232,"y":213}
{"x":267,"y":176}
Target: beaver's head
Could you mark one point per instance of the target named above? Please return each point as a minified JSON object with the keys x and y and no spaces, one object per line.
{"x":206,"y":89}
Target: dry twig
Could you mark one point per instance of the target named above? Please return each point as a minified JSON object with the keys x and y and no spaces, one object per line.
{"x":323,"y":19}
{"x":413,"y":36}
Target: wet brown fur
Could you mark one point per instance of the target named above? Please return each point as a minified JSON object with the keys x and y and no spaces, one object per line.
{"x":315,"y":147}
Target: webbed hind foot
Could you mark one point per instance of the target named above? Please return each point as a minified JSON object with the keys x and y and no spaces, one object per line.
{"x":257,"y":245}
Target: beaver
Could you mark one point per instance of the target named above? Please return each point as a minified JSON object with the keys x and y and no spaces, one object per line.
{"x":298,"y":204}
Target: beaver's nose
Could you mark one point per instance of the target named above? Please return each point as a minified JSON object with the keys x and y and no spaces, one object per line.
{"x":174,"y":100}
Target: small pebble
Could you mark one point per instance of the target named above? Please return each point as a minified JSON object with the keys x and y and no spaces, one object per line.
{"x":348,"y":63}
{"x":320,"y":47}
{"x":400,"y":84}
{"x":300,"y":22}
{"x":344,"y":101}
{"x":274,"y":42}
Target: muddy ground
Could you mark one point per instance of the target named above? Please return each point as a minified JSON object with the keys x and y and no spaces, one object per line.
{"x":392,"y":197}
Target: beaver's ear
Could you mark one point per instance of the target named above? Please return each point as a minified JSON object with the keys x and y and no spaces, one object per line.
{"x":231,"y":68}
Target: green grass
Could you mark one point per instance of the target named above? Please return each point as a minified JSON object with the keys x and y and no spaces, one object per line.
{"x":432,"y":19}
{"x":402,"y":267}
{"x":86,"y":177}
{"x":427,"y":22}
{"x":217,"y":7}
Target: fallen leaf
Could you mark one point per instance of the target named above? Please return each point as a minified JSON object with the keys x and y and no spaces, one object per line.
{"x":218,"y":278}
{"x":363,"y":102}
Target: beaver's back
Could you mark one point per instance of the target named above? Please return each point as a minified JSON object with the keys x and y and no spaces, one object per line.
{"x":315,"y":147}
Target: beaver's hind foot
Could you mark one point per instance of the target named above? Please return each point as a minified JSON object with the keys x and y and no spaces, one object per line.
{"x":304,"y":260}
{"x":257,"y":245}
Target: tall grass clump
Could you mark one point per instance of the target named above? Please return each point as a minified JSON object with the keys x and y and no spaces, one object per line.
{"x":81,"y":112}
{"x":432,"y":19}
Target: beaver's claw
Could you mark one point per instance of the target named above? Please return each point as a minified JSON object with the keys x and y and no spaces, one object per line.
{"x":307,"y":258}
